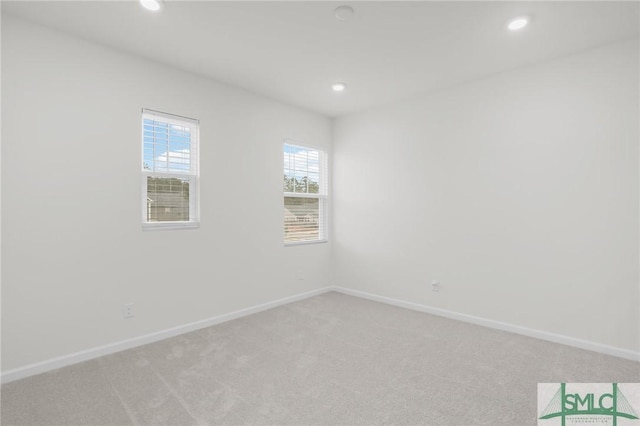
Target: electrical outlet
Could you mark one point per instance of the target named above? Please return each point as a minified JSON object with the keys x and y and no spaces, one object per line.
{"x":127,"y":311}
{"x":435,"y":286}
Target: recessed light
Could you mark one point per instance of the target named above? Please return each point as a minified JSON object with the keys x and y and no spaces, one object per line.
{"x":343,"y":13}
{"x":518,"y":23}
{"x":339,"y":87}
{"x":152,"y":5}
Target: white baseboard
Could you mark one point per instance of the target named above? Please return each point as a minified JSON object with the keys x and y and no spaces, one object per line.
{"x":74,"y":358}
{"x":538,"y":334}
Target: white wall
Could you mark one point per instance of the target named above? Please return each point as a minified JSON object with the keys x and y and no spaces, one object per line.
{"x":72,"y":244}
{"x":518,"y":192}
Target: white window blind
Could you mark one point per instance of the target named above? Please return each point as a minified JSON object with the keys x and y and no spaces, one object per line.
{"x":169,"y":170}
{"x":305,"y":194}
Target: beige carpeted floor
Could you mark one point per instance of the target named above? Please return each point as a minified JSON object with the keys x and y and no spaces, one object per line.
{"x":331,"y":359}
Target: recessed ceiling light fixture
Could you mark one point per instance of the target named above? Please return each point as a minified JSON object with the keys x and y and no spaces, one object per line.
{"x":152,"y":5}
{"x":518,"y":23}
{"x":339,"y":87}
{"x":343,"y":13}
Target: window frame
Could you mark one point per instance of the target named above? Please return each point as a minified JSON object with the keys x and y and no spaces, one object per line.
{"x":322,"y":195}
{"x":193,"y":176}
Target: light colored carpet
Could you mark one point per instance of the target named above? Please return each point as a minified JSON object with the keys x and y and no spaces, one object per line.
{"x":328,"y":360}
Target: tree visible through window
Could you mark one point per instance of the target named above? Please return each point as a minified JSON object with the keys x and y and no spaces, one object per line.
{"x":305,"y":194}
{"x":169,"y":170}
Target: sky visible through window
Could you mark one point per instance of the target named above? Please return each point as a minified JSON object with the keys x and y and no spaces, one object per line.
{"x":301,"y":169}
{"x":166,"y":147}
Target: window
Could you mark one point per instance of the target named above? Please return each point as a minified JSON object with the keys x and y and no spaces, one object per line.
{"x":305,"y":194}
{"x":169,"y":171}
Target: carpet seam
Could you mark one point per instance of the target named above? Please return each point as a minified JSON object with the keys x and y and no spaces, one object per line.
{"x":126,"y":407}
{"x":175,"y":394}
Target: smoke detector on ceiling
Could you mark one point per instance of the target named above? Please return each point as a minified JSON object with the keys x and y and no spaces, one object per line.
{"x":343,"y":13}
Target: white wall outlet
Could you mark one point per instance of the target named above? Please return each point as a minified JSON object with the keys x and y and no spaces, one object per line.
{"x":127,"y":311}
{"x":299,"y":275}
{"x":435,"y":286}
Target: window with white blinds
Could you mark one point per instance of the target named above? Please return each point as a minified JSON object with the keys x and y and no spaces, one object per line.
{"x":305,"y":194}
{"x":169,"y":171}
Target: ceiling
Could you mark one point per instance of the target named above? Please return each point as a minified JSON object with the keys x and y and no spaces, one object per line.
{"x":293,"y":50}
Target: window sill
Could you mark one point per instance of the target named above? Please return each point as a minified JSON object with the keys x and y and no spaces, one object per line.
{"x":166,"y":226}
{"x":304,"y":243}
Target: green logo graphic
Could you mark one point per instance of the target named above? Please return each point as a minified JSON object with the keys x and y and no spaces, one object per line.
{"x":612,"y":404}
